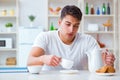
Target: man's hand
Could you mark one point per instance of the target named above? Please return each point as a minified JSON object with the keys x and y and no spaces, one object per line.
{"x":108,"y":58}
{"x":51,"y":60}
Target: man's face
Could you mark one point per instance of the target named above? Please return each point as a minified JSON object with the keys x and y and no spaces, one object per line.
{"x":69,"y":26}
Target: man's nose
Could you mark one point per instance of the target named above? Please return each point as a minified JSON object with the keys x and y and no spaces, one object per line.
{"x":71,"y":29}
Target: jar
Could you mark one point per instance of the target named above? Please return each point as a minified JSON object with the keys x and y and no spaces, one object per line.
{"x":12,"y":12}
{"x":4,"y":12}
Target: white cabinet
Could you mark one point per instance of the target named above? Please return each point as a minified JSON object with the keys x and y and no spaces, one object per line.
{"x":9,"y":14}
{"x":26,"y":39}
{"x":106,"y":37}
{"x":95,"y":24}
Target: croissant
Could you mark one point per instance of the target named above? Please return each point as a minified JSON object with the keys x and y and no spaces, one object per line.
{"x":51,"y":9}
{"x":106,"y":69}
{"x":107,"y":24}
{"x":58,"y":9}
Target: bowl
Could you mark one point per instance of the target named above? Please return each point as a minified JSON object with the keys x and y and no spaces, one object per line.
{"x":34,"y":69}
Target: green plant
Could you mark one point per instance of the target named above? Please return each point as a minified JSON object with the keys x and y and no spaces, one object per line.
{"x":9,"y":24}
{"x":31,"y":17}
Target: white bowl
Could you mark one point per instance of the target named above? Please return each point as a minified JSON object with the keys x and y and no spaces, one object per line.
{"x":34,"y":68}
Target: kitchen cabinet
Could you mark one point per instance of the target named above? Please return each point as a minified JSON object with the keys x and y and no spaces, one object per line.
{"x":27,"y":36}
{"x":95,"y":24}
{"x":9,"y":14}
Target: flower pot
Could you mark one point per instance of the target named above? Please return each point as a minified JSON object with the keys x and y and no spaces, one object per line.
{"x":31,"y":24}
{"x":9,"y":29}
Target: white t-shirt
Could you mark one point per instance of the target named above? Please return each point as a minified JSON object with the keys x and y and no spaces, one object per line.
{"x":77,"y":51}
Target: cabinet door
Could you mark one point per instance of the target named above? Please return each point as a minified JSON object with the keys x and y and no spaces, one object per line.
{"x":24,"y":50}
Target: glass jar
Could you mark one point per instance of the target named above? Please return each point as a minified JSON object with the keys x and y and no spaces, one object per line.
{"x":4,"y":12}
{"x":12,"y":12}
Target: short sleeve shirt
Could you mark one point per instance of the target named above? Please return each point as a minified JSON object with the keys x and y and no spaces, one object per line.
{"x":51,"y":43}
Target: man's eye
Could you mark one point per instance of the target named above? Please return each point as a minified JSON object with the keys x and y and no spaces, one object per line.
{"x":76,"y":26}
{"x":68,"y":24}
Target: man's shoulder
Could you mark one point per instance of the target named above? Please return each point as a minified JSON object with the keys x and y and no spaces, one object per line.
{"x":48,"y":34}
{"x":82,"y":35}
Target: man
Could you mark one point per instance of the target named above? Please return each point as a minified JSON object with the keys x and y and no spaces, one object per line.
{"x":49,"y":47}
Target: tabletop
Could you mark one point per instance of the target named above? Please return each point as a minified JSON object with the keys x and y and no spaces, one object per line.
{"x":57,"y":75}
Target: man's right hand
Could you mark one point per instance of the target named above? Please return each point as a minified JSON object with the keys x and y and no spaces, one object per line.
{"x":51,"y":60}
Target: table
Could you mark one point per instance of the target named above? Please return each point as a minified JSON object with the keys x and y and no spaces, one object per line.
{"x":56,"y":75}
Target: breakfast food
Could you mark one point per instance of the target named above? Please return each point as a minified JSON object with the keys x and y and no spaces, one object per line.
{"x":56,"y":11}
{"x":106,"y":69}
{"x":107,"y":24}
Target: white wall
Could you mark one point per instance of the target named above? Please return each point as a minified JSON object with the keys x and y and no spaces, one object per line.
{"x":35,"y":7}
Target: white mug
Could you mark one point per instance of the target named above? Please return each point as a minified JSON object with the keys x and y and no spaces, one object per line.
{"x":67,"y":64}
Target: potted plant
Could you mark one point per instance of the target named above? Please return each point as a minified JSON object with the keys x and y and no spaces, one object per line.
{"x":31,"y":18}
{"x":9,"y":25}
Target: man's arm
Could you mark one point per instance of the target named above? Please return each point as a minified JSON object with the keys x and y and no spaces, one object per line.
{"x":37,"y":57}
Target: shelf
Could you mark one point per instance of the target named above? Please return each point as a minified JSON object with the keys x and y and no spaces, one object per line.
{"x":13,"y":49}
{"x":99,"y":32}
{"x":8,"y":33}
{"x":7,"y":66}
{"x":53,"y":16}
{"x":98,"y":15}
{"x":8,"y":16}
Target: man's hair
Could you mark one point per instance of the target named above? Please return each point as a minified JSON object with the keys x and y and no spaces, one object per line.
{"x":71,"y":10}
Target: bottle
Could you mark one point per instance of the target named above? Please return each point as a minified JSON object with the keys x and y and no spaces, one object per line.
{"x":86,"y":9}
{"x":103,"y":9}
{"x":108,"y":8}
{"x":51,"y":27}
{"x":92,"y":9}
{"x":98,"y":11}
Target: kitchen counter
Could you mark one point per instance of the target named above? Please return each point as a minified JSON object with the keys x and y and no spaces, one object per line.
{"x":56,"y":75}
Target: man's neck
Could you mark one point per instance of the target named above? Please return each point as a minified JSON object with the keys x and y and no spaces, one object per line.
{"x":64,"y":40}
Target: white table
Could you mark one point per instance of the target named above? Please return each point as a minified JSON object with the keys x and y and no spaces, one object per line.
{"x":56,"y":75}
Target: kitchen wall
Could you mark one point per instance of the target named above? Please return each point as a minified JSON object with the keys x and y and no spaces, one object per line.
{"x":35,"y":7}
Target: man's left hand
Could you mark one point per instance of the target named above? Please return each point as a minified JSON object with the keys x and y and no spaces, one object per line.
{"x":108,"y":58}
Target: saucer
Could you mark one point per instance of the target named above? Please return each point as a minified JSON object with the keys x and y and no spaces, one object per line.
{"x":69,"y":71}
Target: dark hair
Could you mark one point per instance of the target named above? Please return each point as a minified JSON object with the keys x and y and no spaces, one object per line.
{"x":71,"y":10}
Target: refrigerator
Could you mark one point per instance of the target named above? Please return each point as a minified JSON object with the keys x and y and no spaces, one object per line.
{"x":27,"y":36}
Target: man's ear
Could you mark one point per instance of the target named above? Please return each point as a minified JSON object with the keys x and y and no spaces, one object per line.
{"x":59,"y":21}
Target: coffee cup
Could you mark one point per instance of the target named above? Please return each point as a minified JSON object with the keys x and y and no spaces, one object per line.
{"x":67,"y":64}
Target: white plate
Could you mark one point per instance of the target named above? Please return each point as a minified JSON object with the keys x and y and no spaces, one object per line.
{"x":106,"y":74}
{"x":69,"y":71}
